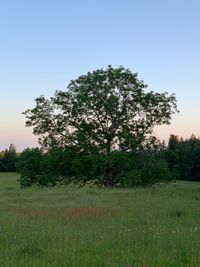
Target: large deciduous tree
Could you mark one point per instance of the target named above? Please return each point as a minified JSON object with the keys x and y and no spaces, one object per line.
{"x":101,"y":111}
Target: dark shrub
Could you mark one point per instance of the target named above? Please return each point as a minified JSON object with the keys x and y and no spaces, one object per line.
{"x":29,"y":166}
{"x":116,"y":169}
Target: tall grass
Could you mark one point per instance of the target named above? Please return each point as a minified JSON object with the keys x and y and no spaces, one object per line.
{"x":61,"y":227}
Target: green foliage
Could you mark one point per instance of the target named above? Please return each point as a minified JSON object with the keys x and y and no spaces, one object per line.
{"x":8,"y":159}
{"x":56,"y":167}
{"x":173,"y":141}
{"x":172,"y":159}
{"x":101,"y":111}
{"x":156,"y":170}
{"x":29,"y":166}
{"x":105,"y":170}
{"x":189,"y":159}
{"x":121,"y":169}
{"x":183,"y":157}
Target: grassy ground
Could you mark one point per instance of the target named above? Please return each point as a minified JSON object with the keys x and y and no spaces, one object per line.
{"x":155,"y":227}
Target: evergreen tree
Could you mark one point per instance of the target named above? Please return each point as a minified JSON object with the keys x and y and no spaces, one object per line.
{"x":9,"y":159}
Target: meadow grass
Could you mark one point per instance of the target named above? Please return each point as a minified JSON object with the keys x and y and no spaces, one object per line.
{"x":61,"y":227}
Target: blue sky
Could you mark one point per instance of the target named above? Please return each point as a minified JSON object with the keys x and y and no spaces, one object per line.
{"x":44,"y":44}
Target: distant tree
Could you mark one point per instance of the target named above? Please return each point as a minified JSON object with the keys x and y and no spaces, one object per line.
{"x":193,"y":138}
{"x":173,"y":141}
{"x":101,"y":111}
{"x":1,"y":162}
{"x":183,"y":158}
{"x":9,"y":158}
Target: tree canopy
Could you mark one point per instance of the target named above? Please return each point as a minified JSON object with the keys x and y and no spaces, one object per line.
{"x":101,"y":111}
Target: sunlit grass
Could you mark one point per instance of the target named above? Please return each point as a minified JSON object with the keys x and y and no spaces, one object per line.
{"x":152,"y":227}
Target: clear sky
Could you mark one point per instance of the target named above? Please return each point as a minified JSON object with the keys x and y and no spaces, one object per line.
{"x":45,"y":43}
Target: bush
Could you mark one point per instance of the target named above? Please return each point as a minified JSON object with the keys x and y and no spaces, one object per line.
{"x":56,"y":167}
{"x":117,"y":168}
{"x":156,"y":170}
{"x":29,"y":166}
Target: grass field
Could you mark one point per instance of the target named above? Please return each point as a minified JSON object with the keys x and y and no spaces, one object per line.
{"x":59,"y":227}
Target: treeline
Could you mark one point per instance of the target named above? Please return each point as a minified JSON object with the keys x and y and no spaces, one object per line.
{"x":8,"y":159}
{"x":183,"y":157}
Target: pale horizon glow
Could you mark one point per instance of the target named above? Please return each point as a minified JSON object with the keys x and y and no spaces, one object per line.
{"x":45,"y":44}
